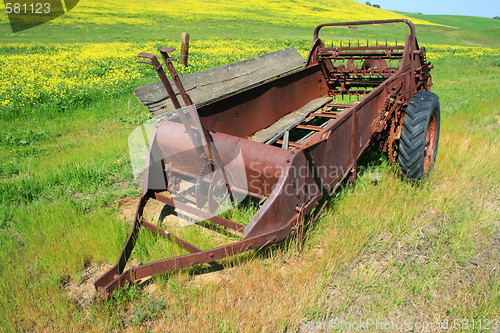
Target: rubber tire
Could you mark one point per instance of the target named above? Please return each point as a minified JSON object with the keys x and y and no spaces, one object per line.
{"x":412,"y":144}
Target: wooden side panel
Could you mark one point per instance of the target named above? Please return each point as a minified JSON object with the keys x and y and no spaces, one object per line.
{"x":213,"y":83}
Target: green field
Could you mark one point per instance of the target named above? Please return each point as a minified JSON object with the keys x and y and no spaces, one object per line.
{"x":470,"y":30}
{"x":385,"y":250}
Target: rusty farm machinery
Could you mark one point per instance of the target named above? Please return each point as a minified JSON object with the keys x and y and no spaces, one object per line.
{"x":270,"y":129}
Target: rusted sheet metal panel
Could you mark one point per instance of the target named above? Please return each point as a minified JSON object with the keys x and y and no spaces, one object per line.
{"x":331,"y":160}
{"x":263,"y":164}
{"x":249,"y":111}
{"x":219,"y":81}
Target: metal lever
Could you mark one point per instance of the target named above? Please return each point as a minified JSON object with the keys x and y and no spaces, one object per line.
{"x":168,"y":62}
{"x":168,"y":87}
{"x":210,"y":150}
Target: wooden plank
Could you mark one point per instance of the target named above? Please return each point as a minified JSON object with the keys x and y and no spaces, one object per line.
{"x":213,"y":83}
{"x":184,"y":49}
{"x":272,"y":133}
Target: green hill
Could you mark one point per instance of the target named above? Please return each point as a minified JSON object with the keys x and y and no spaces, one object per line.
{"x":461,"y":30}
{"x":459,"y":21}
{"x":113,"y":20}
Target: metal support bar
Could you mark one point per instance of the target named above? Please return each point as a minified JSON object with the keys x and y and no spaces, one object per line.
{"x":310,"y":127}
{"x":177,"y":240}
{"x":201,"y":213}
{"x":325,"y":114}
{"x":192,"y":259}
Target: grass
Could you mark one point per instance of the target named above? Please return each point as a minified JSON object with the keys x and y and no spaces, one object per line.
{"x":470,"y":30}
{"x":380,"y":250}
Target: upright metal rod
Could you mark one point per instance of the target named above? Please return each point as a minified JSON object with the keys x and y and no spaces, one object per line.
{"x":211,"y":149}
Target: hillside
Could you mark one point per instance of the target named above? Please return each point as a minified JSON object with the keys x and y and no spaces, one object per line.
{"x":458,"y":21}
{"x":106,"y":21}
{"x":468,"y":30}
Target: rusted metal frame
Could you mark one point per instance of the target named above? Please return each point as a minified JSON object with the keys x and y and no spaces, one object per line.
{"x":330,"y":189}
{"x":168,"y":87}
{"x":409,"y":70}
{"x":208,"y":145}
{"x":111,"y":279}
{"x":363,"y":72}
{"x":126,"y":251}
{"x":313,"y":57}
{"x":350,"y":82}
{"x":314,"y":201}
{"x":362,"y":55}
{"x":346,"y":80}
{"x":327,"y":190}
{"x":396,"y":114}
{"x":192,"y":259}
{"x":161,"y":74}
{"x":356,"y":151}
{"x":354,"y":144}
{"x":209,"y":149}
{"x":361,"y":48}
{"x":298,"y":124}
{"x":168,"y":62}
{"x":350,"y":92}
{"x":410,"y":25}
{"x":179,"y":241}
{"x":358,"y":56}
{"x":198,"y":212}
{"x":172,"y":263}
{"x":290,"y":143}
{"x":310,"y":127}
{"x":353,"y":75}
{"x":220,"y":115}
{"x":403,"y":69}
{"x":188,"y":103}
{"x":325,"y":114}
{"x":324,"y":134}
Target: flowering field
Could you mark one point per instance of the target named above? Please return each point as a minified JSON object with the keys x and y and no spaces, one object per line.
{"x":135,"y":12}
{"x":61,"y":75}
